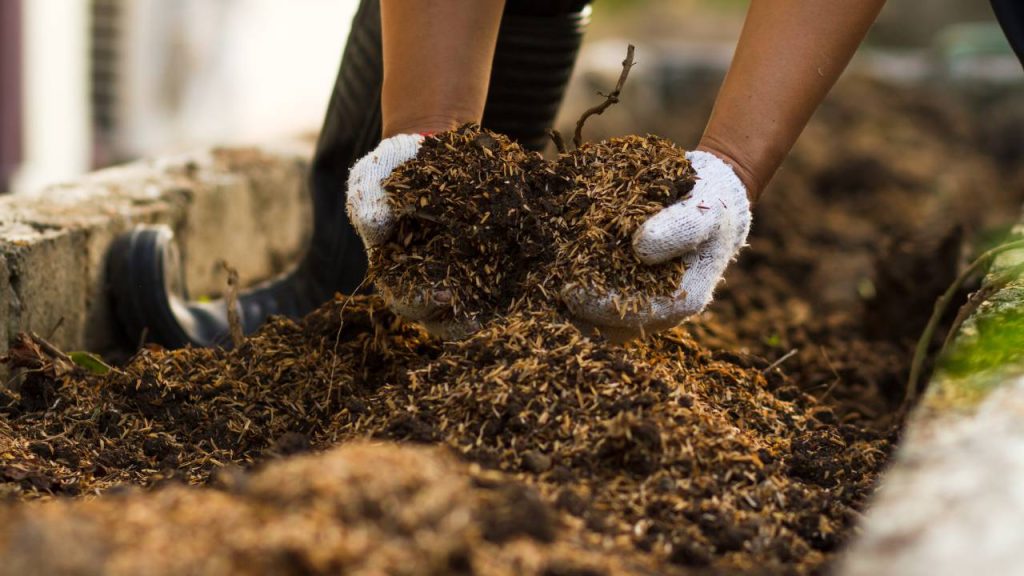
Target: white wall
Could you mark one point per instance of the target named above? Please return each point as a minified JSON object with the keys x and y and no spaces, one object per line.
{"x":227,"y":71}
{"x":57,"y":137}
{"x":191,"y":73}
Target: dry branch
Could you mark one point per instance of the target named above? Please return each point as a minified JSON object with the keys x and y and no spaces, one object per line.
{"x":556,"y":137}
{"x":611,"y":98}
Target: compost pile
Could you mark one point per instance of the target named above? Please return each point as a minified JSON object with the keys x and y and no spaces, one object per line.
{"x":530,"y":447}
{"x":493,"y":228}
{"x":657,"y":447}
{"x":474,"y":222}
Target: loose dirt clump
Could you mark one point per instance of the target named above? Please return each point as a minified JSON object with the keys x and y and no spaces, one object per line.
{"x":613,"y":187}
{"x":472,"y":223}
{"x":494,"y":228}
{"x":358,"y":509}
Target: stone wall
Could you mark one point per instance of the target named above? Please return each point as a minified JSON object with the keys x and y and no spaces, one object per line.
{"x":246,"y":206}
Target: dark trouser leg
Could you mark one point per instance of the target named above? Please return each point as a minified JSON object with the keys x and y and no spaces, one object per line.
{"x":1011,"y":17}
{"x":336,"y":259}
{"x":537,"y":46}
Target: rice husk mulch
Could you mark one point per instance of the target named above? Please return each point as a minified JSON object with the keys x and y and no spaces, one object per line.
{"x":474,"y":223}
{"x":352,"y":442}
{"x":657,"y":451}
{"x":496,"y":228}
{"x":613,"y":187}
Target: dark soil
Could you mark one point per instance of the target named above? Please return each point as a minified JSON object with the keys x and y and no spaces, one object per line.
{"x":493,"y":228}
{"x":474,"y":223}
{"x":692,"y":452}
{"x":886,"y":195}
{"x":614,"y":186}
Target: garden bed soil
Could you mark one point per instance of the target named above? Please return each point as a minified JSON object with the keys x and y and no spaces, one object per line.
{"x":529,"y":447}
{"x":657,"y":448}
{"x":487,"y":228}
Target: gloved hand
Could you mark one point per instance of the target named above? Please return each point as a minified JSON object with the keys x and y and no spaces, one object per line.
{"x":375,"y":221}
{"x":367,"y":203}
{"x":706,"y":230}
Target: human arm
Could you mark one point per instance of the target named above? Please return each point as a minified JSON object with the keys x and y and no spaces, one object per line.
{"x":437,"y":62}
{"x":789,"y":55}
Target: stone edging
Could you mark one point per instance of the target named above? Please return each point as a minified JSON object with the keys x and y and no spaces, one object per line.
{"x":248,"y":206}
{"x":953,"y":501}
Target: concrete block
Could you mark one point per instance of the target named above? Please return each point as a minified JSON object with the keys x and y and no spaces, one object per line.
{"x":47,"y":281}
{"x":953,"y":503}
{"x":279,"y":211}
{"x":96,"y":214}
{"x":953,"y":500}
{"x":247,"y":206}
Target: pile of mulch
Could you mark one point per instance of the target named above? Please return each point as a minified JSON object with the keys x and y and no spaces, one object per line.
{"x":489,"y":228}
{"x":358,"y":509}
{"x":658,"y":448}
{"x":707,"y":449}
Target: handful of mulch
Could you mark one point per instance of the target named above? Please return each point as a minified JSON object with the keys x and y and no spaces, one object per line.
{"x":615,"y":186}
{"x":474,"y":222}
{"x":498,"y":227}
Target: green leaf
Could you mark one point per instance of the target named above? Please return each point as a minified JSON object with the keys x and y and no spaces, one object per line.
{"x":91,"y":362}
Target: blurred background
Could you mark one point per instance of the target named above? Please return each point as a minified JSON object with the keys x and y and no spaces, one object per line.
{"x":88,"y":83}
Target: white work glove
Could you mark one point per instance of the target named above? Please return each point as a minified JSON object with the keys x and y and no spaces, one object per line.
{"x":706,"y":230}
{"x":367,"y":203}
{"x":374,"y":221}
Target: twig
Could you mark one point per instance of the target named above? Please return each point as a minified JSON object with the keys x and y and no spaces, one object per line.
{"x":556,"y":137}
{"x":779,"y":362}
{"x":921,"y":351}
{"x":967,"y":308}
{"x":49,"y":349}
{"x":56,"y":327}
{"x":834,"y":373}
{"x":337,"y":337}
{"x":142,"y":337}
{"x":977,"y":298}
{"x":231,"y":301}
{"x":37,"y":350}
{"x":612,"y":98}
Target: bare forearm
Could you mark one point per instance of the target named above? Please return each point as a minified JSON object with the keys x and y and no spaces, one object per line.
{"x":789,"y":55}
{"x":437,"y":62}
